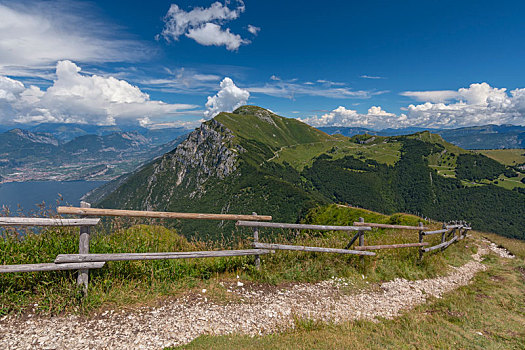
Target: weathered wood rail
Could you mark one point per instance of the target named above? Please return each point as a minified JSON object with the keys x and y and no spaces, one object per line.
{"x":72,"y":258}
{"x":157,"y":214}
{"x":19,"y":221}
{"x":452,"y":231}
{"x":279,"y":225}
{"x":49,"y":267}
{"x":48,"y":222}
{"x":448,"y":230}
{"x":309,"y":249}
{"x":84,"y":260}
{"x":391,"y":246}
{"x":397,"y":227}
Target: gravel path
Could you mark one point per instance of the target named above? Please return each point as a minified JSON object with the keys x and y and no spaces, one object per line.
{"x":260,"y":311}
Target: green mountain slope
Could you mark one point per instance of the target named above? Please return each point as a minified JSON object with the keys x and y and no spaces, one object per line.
{"x":220,"y":170}
{"x":253,"y":160}
{"x":256,"y":123}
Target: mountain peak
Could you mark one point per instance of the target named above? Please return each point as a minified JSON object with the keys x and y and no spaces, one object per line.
{"x":252,"y":110}
{"x":34,"y":137}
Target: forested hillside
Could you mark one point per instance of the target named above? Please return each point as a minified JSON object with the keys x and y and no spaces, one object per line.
{"x":253,"y":160}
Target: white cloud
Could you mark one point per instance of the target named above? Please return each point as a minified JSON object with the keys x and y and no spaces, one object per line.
{"x":432,"y":96}
{"x":479,"y":104}
{"x":227,"y":99}
{"x":212,"y":34}
{"x":74,"y":97}
{"x":253,"y":29}
{"x":204,"y":25}
{"x":10,"y":88}
{"x":181,"y":81}
{"x":206,"y":77}
{"x":35,"y":35}
{"x":330,"y":83}
{"x":322,"y":88}
{"x":376,"y":118}
{"x":364,"y":76}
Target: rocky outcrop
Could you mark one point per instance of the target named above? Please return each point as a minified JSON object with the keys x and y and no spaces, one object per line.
{"x":208,"y":152}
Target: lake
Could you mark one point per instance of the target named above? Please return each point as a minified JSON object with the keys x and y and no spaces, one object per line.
{"x":29,"y":194}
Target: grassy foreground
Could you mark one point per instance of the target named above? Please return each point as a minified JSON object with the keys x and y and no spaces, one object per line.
{"x":486,"y":314}
{"x":125,"y":284}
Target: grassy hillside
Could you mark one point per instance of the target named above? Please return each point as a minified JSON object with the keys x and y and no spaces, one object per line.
{"x":505,"y":156}
{"x":253,"y":183}
{"x":299,"y":156}
{"x":412,"y":186}
{"x":261,"y":125}
{"x":282,"y":167}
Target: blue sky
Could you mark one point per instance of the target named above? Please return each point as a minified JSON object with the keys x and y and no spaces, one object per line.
{"x":375,"y":64}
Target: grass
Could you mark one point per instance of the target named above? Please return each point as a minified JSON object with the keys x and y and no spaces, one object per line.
{"x":445,"y":171}
{"x":486,"y":314}
{"x":121,"y":284}
{"x":505,"y":156}
{"x":271,"y":130}
{"x":515,"y":246}
{"x":508,"y":183}
{"x":299,"y":156}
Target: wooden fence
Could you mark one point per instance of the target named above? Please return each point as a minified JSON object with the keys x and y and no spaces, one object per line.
{"x":84,"y":224}
{"x":84,"y":260}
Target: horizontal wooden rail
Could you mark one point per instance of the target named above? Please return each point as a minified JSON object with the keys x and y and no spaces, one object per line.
{"x":390,"y":246}
{"x":301,"y":226}
{"x":158,"y":214}
{"x":441,"y":245}
{"x":49,"y":267}
{"x":402,"y":227}
{"x":435,"y":232}
{"x":16,"y":221}
{"x":309,"y":249}
{"x":454,"y":226}
{"x":70,"y":258}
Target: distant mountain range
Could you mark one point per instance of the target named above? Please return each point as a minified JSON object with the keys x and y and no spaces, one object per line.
{"x":473,"y":137}
{"x":65,"y":151}
{"x":57,"y":154}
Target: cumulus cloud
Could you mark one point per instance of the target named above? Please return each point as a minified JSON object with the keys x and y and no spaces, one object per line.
{"x":227,"y":99}
{"x":479,"y":104}
{"x":75,"y":97}
{"x":253,"y":29}
{"x":204,"y":25}
{"x":35,"y":35}
{"x":212,"y":34}
{"x":375,"y":118}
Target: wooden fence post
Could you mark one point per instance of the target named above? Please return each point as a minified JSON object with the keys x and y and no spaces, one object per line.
{"x":256,"y":240}
{"x":83,"y":248}
{"x":421,"y":235}
{"x":362,"y":242}
{"x":443,"y":235}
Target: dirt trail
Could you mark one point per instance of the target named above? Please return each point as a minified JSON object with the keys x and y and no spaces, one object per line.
{"x":260,"y":311}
